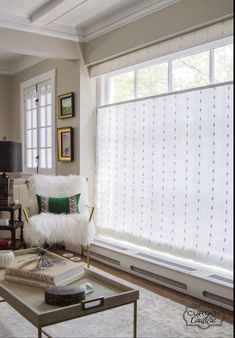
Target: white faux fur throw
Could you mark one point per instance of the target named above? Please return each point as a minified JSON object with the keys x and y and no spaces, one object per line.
{"x":72,"y":229}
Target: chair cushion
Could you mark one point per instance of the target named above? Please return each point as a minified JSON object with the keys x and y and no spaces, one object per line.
{"x":59,"y":205}
{"x":72,"y":229}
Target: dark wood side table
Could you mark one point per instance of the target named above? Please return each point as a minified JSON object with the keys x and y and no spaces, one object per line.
{"x":14,"y":224}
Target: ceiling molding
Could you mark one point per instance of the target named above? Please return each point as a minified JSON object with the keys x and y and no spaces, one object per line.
{"x":27,"y":62}
{"x":24,"y":24}
{"x":124,"y":18}
{"x":51,"y":11}
{"x":39,"y":17}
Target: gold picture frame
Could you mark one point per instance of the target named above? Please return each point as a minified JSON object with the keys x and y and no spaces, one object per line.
{"x":66,"y":105}
{"x":65,"y":144}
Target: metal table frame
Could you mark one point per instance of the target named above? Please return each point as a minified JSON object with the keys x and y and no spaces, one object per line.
{"x":40,"y":318}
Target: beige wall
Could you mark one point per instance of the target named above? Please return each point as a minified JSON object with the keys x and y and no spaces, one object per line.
{"x":87,"y":128}
{"x":5,"y":107}
{"x":170,"y":21}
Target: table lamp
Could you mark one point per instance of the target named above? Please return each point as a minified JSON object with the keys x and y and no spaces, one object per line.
{"x":10,"y":161}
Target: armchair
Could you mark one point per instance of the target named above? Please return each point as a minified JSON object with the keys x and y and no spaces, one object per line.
{"x":69,"y":228}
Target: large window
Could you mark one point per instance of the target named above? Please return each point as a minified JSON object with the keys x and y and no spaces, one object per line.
{"x":38,"y":112}
{"x":165,"y":158}
{"x":197,"y":67}
{"x":164,"y":173}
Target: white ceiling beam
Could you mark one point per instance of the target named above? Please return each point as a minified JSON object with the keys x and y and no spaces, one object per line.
{"x":52,"y":10}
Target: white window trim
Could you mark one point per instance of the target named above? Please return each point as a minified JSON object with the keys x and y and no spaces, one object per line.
{"x":50,"y":75}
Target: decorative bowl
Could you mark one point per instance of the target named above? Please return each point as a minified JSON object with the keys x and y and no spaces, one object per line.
{"x":6,"y":258}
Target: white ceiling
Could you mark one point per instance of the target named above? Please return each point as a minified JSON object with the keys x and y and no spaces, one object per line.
{"x":79,"y":20}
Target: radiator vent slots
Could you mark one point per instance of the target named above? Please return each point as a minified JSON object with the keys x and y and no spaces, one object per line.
{"x":163,"y":279}
{"x":223,"y":279}
{"x":111,"y":245}
{"x":105,"y":258}
{"x":217,"y":298}
{"x":160,"y":260}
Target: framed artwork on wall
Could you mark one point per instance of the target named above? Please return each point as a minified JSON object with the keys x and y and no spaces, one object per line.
{"x":66,"y":105}
{"x":65,"y":144}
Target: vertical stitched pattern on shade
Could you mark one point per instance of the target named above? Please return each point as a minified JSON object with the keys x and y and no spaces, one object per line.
{"x":164,"y":173}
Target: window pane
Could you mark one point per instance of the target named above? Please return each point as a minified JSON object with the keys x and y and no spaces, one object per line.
{"x":122,"y":87}
{"x":48,"y":118}
{"x":28,"y":103}
{"x":42,"y":96}
{"x":34,"y":138}
{"x":28,"y":119}
{"x":223,"y":64}
{"x":49,"y":158}
{"x":190,"y":71}
{"x":152,"y":80}
{"x":42,"y":137}
{"x":42,"y":158}
{"x":49,"y":137}
{"x":29,"y":158}
{"x":29,"y":138}
{"x":49,"y":94}
{"x":34,"y":158}
{"x":42,"y":117}
{"x":34,"y":97}
{"x":34,"y":118}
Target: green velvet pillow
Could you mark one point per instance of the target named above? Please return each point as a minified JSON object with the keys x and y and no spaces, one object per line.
{"x":59,"y":205}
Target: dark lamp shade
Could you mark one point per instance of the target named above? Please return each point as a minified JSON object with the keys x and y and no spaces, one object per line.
{"x":10,"y":156}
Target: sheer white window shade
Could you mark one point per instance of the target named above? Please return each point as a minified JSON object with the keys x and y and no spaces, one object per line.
{"x":197,"y":37}
{"x":164,"y":173}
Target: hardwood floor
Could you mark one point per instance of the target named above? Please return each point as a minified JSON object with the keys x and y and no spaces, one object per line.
{"x":175,"y":296}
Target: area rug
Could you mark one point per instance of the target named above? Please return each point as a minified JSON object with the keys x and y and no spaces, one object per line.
{"x":158,"y":317}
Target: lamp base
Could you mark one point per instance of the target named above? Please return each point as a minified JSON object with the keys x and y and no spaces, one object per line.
{"x":6,"y":191}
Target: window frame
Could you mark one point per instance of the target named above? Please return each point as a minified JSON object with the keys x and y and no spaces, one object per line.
{"x":50,"y":75}
{"x":103,"y":81}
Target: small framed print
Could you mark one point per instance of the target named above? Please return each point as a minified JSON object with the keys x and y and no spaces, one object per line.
{"x":66,"y":105}
{"x":65,"y":144}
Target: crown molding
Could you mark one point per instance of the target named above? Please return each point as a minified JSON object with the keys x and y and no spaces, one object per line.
{"x":123,"y":18}
{"x":27,"y":62}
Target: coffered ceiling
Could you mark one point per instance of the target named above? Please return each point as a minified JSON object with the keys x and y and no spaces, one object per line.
{"x":79,"y":20}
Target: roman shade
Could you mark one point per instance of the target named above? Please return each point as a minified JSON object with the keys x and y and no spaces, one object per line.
{"x":170,"y":45}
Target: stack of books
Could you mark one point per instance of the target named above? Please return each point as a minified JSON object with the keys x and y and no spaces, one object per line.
{"x":26,"y":269}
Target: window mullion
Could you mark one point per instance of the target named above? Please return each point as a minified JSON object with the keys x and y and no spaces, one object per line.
{"x":135,"y":85}
{"x":38,"y":124}
{"x":170,"y":76}
{"x":211,"y":66}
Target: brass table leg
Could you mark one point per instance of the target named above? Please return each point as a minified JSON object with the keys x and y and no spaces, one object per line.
{"x":39,"y":332}
{"x":135,"y":320}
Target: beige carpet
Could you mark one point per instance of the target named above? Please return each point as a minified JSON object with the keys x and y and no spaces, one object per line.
{"x":158,"y":317}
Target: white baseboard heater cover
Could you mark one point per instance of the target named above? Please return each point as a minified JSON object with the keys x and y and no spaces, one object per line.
{"x":212,"y":288}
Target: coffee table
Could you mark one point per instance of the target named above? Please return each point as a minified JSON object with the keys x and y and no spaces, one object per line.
{"x":29,"y":300}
